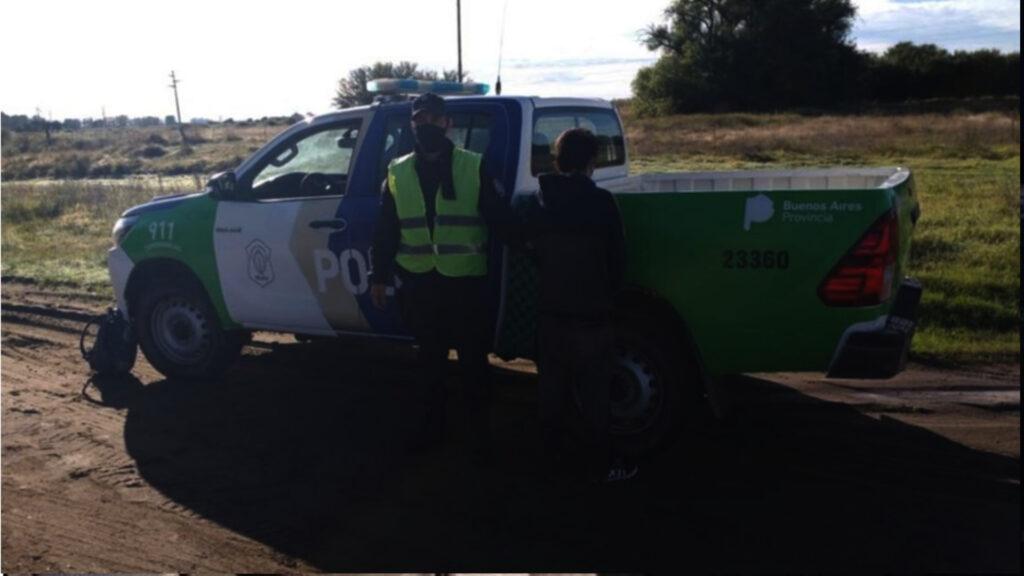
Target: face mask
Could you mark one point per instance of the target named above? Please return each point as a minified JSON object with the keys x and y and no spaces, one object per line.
{"x":429,"y":138}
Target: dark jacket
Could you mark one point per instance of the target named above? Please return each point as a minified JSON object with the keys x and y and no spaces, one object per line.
{"x":387,"y":235}
{"x":576,"y":232}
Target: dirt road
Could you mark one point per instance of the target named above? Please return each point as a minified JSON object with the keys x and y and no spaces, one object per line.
{"x":296,"y":461}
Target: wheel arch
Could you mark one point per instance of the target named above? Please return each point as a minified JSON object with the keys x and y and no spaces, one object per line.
{"x":168,"y":269}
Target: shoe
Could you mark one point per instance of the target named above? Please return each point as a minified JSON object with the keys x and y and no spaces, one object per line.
{"x":620,"y":474}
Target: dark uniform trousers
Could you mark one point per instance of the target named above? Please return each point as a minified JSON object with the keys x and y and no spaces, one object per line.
{"x":575,"y":359}
{"x":444,"y":313}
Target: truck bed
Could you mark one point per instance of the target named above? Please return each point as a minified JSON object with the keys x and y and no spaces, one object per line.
{"x":740,"y":256}
{"x":761,"y":181}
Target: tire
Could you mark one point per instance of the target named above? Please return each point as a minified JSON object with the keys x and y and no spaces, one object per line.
{"x":655,"y":387}
{"x":179,"y":331}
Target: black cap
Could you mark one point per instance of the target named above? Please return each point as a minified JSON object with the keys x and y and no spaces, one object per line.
{"x":428,"y":103}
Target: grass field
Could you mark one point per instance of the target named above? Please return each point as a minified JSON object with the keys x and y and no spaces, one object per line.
{"x":59,"y":232}
{"x":119,"y":152}
{"x":966,"y":249}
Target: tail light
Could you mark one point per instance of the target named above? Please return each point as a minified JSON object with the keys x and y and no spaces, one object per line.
{"x":864,"y":277}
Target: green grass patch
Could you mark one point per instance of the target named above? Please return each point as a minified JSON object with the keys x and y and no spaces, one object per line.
{"x":943,"y":346}
{"x":59,"y":232}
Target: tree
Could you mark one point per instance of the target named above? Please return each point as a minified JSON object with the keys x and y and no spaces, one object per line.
{"x":144,"y":121}
{"x":908,"y":71}
{"x":352,"y":90}
{"x":38,"y":123}
{"x":750,"y":54}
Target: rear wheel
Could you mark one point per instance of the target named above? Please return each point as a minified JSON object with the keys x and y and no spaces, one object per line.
{"x":179,"y":332}
{"x":655,"y":387}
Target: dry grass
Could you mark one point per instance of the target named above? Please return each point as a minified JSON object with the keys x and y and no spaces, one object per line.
{"x":117,"y":152}
{"x":59,"y":232}
{"x":773,"y":138}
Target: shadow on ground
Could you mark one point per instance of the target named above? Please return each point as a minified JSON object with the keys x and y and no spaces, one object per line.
{"x":303,"y":448}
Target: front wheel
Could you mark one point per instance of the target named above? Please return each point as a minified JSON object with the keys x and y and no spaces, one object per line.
{"x":179,"y":332}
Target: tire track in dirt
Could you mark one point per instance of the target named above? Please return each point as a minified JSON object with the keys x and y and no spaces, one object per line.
{"x":73,"y":498}
{"x":281,"y":460}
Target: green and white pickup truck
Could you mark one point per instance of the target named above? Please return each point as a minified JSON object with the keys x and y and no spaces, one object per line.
{"x":727,"y":272}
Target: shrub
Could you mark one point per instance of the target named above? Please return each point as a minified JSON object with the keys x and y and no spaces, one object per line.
{"x":152,"y":152}
{"x":74,"y":166}
{"x":125,"y":167}
{"x":100,"y":170}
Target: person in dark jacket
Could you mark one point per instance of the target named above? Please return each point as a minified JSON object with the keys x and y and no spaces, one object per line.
{"x":576,"y":234}
{"x":438,"y":209}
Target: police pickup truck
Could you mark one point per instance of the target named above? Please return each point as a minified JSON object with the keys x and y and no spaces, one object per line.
{"x":728,"y":272}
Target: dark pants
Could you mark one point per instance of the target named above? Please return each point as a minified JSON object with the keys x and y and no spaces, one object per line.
{"x":444,"y":313}
{"x":575,"y":361}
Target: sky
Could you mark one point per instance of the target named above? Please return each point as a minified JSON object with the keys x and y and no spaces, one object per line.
{"x":257,"y":58}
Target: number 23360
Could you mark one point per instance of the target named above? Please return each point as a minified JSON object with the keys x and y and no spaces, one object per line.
{"x":755,"y":259}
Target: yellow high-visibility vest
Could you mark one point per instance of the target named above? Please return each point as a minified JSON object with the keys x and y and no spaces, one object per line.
{"x":458,"y":245}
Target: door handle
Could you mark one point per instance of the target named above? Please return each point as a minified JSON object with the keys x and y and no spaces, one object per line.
{"x":338,"y":224}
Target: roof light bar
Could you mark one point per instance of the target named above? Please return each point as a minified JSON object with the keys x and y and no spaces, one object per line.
{"x":412,"y":86}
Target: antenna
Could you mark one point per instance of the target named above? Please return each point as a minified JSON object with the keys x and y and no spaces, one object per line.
{"x":501,"y":48}
{"x":458,"y":31}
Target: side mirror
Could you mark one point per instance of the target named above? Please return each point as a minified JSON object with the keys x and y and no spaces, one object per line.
{"x":222,"y":185}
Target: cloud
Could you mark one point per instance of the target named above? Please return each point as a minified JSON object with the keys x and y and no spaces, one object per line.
{"x":576,"y":62}
{"x":953,"y":24}
{"x":559,"y":77}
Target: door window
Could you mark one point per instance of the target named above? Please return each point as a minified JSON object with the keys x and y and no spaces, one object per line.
{"x":315,"y":164}
{"x":549,"y":124}
{"x":471,"y":131}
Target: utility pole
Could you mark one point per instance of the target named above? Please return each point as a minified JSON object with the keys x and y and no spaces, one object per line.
{"x":46,"y":124}
{"x":458,"y":30}
{"x":177,"y":106}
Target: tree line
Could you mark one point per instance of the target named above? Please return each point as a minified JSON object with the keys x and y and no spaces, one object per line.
{"x":24,"y":123}
{"x":36,"y":123}
{"x":351,"y":90}
{"x":758,"y":55}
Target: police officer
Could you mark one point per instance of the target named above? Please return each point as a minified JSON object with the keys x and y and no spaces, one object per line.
{"x":438,"y":208}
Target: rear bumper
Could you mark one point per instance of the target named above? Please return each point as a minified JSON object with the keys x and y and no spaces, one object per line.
{"x":880,"y":351}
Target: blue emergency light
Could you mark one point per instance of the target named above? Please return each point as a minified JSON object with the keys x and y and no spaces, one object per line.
{"x":439,"y":87}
